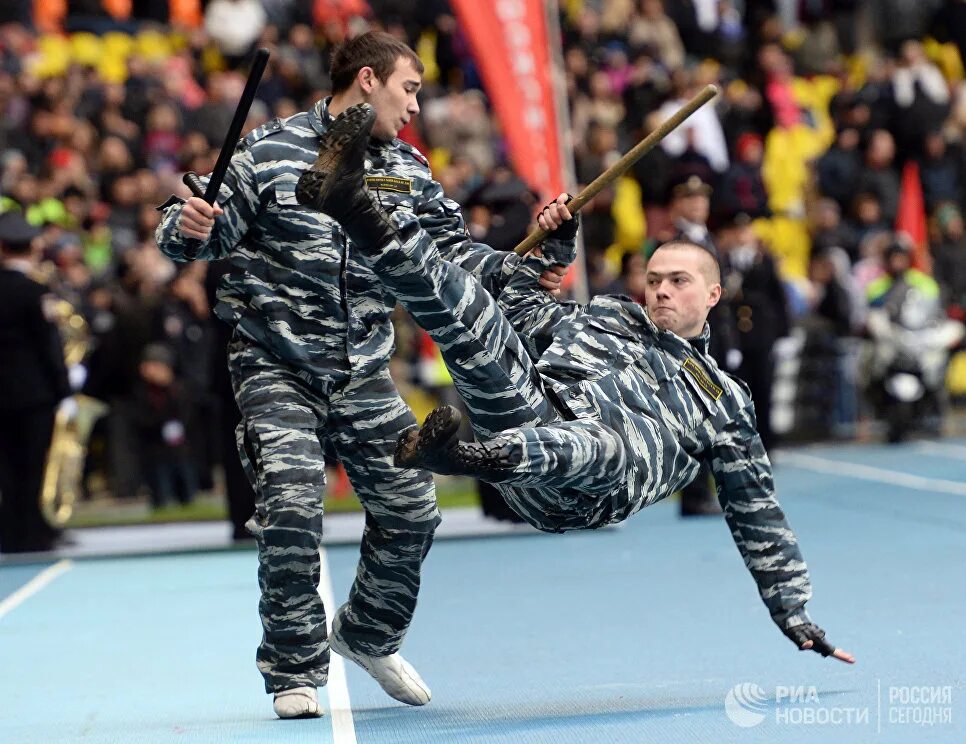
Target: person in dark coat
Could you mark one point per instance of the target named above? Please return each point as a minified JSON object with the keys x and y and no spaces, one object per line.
{"x":162,"y":414}
{"x":759,"y":307}
{"x":879,"y":176}
{"x":742,"y":187}
{"x":838,"y":169}
{"x":33,"y":381}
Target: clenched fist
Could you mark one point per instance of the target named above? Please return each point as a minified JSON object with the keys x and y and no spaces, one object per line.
{"x":197,"y":218}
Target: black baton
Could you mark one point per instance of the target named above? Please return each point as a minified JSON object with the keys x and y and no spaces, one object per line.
{"x":190,"y":179}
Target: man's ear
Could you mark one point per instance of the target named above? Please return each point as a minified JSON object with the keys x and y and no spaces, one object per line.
{"x":366,"y":77}
{"x":715,"y":296}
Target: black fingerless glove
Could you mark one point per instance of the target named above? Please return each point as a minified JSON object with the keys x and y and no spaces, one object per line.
{"x":566,"y":232}
{"x":799,"y":634}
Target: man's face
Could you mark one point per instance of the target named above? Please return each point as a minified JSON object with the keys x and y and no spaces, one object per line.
{"x":395,"y":100}
{"x":693,"y":207}
{"x":678,"y":294}
{"x":737,"y":236}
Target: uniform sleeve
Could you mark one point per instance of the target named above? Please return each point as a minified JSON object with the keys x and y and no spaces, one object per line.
{"x":532,"y":311}
{"x":761,"y":533}
{"x":442,"y":219}
{"x":239,"y":197}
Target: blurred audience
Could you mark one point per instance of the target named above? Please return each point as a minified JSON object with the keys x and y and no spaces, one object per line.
{"x":105,"y":104}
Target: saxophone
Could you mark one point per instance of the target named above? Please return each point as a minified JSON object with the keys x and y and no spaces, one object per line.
{"x":64,"y":468}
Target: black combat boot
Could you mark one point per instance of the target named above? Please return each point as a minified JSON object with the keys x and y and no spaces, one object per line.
{"x":435,"y":446}
{"x":335,"y":184}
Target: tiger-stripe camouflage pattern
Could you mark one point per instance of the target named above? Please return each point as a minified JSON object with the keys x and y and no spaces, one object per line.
{"x":317,"y":320}
{"x":284,"y":414}
{"x":652,"y":405}
{"x":565,"y":464}
{"x":296,"y":286}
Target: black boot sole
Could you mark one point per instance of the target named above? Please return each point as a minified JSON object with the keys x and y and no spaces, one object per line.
{"x":315,"y":184}
{"x":439,"y":428}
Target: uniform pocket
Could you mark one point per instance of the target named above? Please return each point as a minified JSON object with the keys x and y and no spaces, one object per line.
{"x":285,"y":191}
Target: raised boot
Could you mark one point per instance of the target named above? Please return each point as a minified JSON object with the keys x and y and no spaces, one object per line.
{"x":335,"y":184}
{"x":435,"y":446}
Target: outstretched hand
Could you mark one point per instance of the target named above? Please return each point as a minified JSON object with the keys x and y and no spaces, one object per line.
{"x":810,"y":637}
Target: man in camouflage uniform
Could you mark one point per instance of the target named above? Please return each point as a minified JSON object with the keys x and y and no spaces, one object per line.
{"x":309,"y":362}
{"x":584,"y":414}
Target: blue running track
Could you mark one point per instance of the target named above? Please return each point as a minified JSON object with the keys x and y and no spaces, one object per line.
{"x":652,"y":632}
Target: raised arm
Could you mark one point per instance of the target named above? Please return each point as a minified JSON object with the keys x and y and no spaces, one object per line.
{"x":442,"y":219}
{"x":535,"y":314}
{"x":237,"y":206}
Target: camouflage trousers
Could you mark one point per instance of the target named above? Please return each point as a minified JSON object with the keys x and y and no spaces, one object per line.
{"x":285,"y":419}
{"x":565,"y":474}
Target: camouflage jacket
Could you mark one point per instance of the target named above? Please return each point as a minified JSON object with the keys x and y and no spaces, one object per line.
{"x":296,"y":288}
{"x":673,"y":407}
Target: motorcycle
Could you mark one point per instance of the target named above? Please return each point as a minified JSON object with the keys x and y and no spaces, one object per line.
{"x":912,"y":340}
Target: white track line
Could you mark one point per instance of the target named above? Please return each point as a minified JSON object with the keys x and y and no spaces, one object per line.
{"x":942,"y":448}
{"x":33,"y":586}
{"x":869,"y":473}
{"x":340,"y":709}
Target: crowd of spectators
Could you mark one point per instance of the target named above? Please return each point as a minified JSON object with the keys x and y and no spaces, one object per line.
{"x":105,"y":103}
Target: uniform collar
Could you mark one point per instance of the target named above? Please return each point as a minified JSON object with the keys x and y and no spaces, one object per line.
{"x":633,"y":317}
{"x":319,"y":117}
{"x":702,"y":341}
{"x":669,"y":340}
{"x":686,"y":346}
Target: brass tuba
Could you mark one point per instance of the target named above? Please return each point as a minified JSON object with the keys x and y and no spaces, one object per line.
{"x":76,"y":416}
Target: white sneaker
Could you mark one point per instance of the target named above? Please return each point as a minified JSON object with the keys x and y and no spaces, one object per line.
{"x":394,"y":674}
{"x":299,"y":702}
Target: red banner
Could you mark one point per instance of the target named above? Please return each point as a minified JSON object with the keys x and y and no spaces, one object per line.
{"x":509,"y":42}
{"x":911,"y":216}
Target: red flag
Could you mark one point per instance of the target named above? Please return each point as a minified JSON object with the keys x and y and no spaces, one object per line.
{"x":509,"y":43}
{"x":911,"y":215}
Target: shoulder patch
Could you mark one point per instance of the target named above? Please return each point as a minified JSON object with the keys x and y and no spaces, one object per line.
{"x":700,"y":376}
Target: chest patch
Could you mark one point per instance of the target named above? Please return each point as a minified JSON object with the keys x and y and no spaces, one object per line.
{"x":390,"y":183}
{"x":694,"y":369}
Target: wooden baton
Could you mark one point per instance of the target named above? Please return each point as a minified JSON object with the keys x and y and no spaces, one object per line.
{"x":621,"y":166}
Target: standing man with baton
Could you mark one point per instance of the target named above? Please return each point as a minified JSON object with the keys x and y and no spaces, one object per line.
{"x":309,"y":362}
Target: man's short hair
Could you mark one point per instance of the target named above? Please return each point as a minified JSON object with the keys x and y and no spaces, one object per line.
{"x":709,"y":262}
{"x":375,"y":49}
